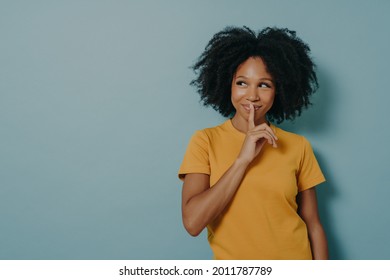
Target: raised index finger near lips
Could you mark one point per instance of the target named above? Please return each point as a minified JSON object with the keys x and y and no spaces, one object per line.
{"x":264,"y":126}
{"x":251,"y":119}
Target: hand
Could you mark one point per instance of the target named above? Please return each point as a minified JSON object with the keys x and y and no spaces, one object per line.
{"x":255,"y":138}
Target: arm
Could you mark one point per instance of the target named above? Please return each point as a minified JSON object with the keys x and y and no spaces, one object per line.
{"x":202,"y":204}
{"x":308,"y":211}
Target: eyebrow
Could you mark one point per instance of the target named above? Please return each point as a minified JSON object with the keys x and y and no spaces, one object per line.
{"x":261,"y":79}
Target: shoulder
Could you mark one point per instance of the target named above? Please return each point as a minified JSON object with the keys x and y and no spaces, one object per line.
{"x":212,"y":132}
{"x":203,"y":140}
{"x":293,"y":141}
{"x":289,"y":136}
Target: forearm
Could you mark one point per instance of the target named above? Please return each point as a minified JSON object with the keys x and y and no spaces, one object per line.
{"x":203,"y":208}
{"x":319,"y":245}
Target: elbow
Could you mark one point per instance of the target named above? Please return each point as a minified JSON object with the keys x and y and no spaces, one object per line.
{"x":193,"y":232}
{"x":192,"y":228}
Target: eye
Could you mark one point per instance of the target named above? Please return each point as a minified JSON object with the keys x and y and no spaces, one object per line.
{"x":240,"y":83}
{"x":264,"y":85}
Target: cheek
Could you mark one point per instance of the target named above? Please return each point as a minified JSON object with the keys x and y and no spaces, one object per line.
{"x":237,"y":94}
{"x":234,"y":97}
{"x":269,"y":98}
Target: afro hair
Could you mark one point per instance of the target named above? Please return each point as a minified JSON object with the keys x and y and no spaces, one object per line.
{"x":287,"y":59}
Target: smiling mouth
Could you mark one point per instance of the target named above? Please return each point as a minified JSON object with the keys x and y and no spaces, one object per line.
{"x":247,"y":107}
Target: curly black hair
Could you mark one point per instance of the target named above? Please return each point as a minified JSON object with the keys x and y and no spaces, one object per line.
{"x":287,"y":59}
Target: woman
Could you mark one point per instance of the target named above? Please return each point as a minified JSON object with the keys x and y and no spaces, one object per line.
{"x":249,"y":182}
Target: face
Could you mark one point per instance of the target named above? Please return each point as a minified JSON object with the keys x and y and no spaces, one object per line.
{"x":252,"y":84}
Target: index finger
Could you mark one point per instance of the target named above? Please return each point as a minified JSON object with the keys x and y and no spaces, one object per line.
{"x":251,"y":119}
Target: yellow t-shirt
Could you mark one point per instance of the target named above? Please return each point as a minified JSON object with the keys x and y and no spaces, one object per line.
{"x":262,"y":220}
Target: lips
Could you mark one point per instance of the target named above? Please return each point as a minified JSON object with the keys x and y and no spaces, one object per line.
{"x":247,"y":107}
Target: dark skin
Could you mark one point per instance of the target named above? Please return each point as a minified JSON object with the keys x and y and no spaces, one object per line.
{"x":253,"y":93}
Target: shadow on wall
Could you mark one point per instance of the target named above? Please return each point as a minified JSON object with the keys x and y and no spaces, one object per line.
{"x":326,"y":192}
{"x":316,"y":121}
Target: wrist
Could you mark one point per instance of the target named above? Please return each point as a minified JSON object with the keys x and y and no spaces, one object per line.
{"x":241,"y":162}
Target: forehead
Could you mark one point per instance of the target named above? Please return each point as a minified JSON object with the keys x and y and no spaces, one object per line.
{"x":253,"y":67}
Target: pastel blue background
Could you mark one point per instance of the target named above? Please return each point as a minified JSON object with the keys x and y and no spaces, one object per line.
{"x":96,"y":112}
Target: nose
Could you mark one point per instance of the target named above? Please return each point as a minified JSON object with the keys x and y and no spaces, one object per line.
{"x":252,"y":94}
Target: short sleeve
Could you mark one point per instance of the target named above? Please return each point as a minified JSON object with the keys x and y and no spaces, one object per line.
{"x":309,"y":173}
{"x":196,"y":158}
